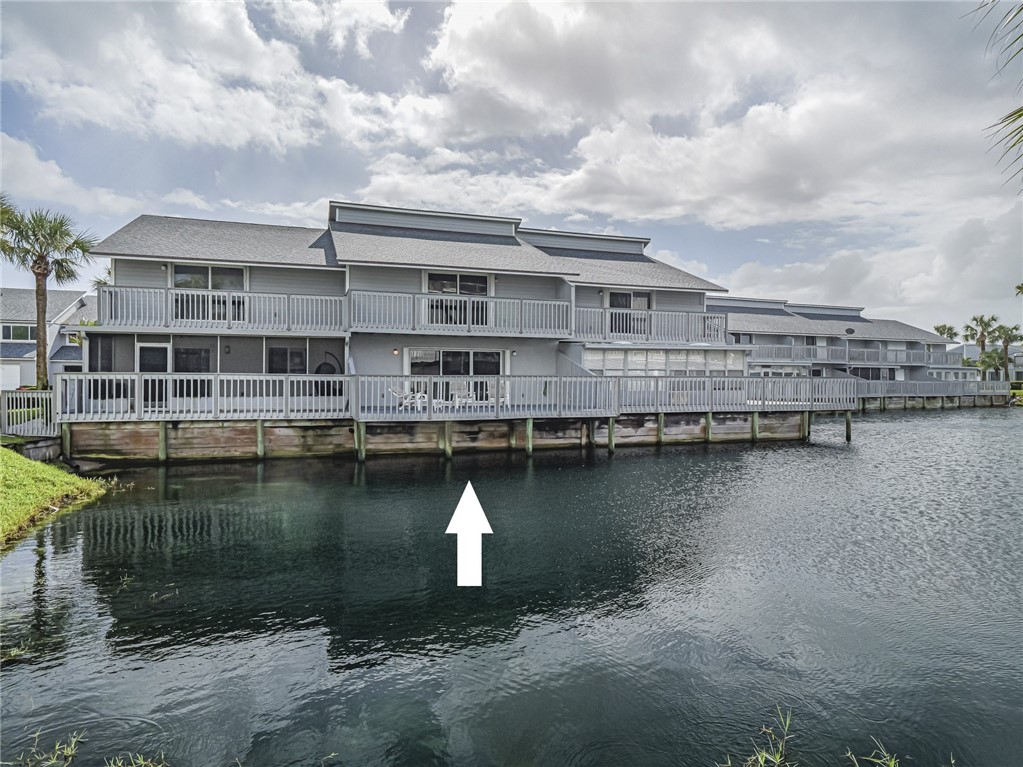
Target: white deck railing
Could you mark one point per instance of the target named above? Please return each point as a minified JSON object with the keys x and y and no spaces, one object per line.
{"x":27,"y":413}
{"x":218,"y":309}
{"x":641,"y":325}
{"x":799,"y":353}
{"x":929,"y":388}
{"x":444,"y":314}
{"x":84,"y":397}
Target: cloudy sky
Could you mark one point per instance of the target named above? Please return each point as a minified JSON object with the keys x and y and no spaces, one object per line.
{"x":823,"y":152}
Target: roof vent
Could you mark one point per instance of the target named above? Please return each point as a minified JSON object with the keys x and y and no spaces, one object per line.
{"x":850,"y":331}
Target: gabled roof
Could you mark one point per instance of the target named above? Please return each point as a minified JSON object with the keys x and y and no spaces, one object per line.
{"x":17,"y":350}
{"x":173,"y":238}
{"x":19,"y":304}
{"x":88,"y":312}
{"x":67,"y":353}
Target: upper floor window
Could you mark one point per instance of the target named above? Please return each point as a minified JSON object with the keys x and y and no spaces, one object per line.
{"x":19,"y":332}
{"x":742,"y":338}
{"x":457,"y":284}
{"x":209,"y":277}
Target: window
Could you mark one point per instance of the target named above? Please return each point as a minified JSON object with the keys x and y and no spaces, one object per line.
{"x":19,"y":332}
{"x":455,"y":362}
{"x":191,"y":360}
{"x":457,"y":284}
{"x":281,"y":360}
{"x":742,"y":338}
{"x":209,"y":277}
{"x":101,"y":354}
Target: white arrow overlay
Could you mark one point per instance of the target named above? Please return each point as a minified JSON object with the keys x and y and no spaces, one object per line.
{"x":470,"y":524}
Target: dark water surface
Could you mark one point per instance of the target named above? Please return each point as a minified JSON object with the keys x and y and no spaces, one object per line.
{"x":646,"y":609}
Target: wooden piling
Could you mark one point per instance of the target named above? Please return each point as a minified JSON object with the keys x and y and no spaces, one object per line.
{"x":65,"y":441}
{"x":755,"y":426}
{"x":848,"y":426}
{"x":529,"y":436}
{"x":660,"y":428}
{"x":360,"y":441}
{"x":260,"y":442}
{"x":611,"y":434}
{"x":708,"y":433}
{"x":162,"y":448}
{"x":448,"y":426}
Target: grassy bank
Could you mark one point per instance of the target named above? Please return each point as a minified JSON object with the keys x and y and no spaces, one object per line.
{"x":30,"y":490}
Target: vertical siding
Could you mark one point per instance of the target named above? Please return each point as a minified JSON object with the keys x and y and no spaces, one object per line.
{"x":588,"y":297}
{"x":139,"y":274}
{"x":308,"y":282}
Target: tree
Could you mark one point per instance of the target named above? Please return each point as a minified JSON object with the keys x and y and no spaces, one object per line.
{"x":990,"y":360}
{"x":103,"y":278}
{"x":979,"y":329}
{"x":1006,"y":335}
{"x":47,"y":245}
{"x":1007,"y":37}
{"x":947,"y":331}
{"x":1019,"y":289}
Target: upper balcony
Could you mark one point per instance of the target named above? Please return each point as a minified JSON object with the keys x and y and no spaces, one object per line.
{"x":842,"y":355}
{"x":654,"y":326}
{"x":444,"y":314}
{"x":221,"y":310}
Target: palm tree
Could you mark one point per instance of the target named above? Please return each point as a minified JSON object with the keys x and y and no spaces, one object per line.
{"x":1007,"y":36}
{"x":991,"y":360}
{"x":1006,"y":335}
{"x":1019,"y":289}
{"x":979,"y":329}
{"x":947,"y":331}
{"x":47,"y":245}
{"x":103,"y":278}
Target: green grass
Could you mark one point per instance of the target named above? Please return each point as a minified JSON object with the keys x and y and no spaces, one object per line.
{"x":30,"y":490}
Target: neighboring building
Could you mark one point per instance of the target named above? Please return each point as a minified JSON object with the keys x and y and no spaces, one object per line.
{"x":386,"y":291}
{"x":972,"y":352}
{"x":789,"y":339}
{"x":18,"y":333}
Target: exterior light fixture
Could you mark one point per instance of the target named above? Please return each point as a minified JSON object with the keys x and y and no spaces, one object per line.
{"x":394,"y":352}
{"x":227,"y":349}
{"x":163,"y":267}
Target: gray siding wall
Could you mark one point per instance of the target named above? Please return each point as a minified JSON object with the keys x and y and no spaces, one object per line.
{"x":554,"y":240}
{"x":525,"y":286}
{"x":387,"y":279}
{"x":373,"y":353}
{"x":678,"y":301}
{"x":587,"y":297}
{"x":246,"y":355}
{"x":308,"y":282}
{"x":139,"y":274}
{"x":434,"y":223}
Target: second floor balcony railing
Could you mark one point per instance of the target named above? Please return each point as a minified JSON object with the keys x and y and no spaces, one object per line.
{"x":656,"y":326}
{"x":450,"y":314}
{"x":218,"y":309}
{"x":840,"y":354}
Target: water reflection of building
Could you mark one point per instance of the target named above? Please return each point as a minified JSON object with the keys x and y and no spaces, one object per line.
{"x":222,"y":553}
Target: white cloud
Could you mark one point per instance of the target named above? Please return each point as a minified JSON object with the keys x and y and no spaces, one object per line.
{"x":341,"y":23}
{"x":27,"y":177}
{"x":186,"y":198}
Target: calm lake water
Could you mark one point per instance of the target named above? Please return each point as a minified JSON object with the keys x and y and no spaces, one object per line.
{"x":646,"y":609}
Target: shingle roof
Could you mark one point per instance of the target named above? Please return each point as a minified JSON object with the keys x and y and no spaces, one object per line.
{"x":794,"y":324}
{"x":68,"y":353}
{"x":19,"y":304}
{"x":171,"y":238}
{"x":197,"y":239}
{"x":87,"y":313}
{"x":13,"y":351}
{"x":397,"y":246}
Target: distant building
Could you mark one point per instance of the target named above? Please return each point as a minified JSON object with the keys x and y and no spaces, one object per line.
{"x":18,"y":333}
{"x":972,"y":352}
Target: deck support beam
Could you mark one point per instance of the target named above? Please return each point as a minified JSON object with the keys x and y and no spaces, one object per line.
{"x":529,"y":436}
{"x":260,"y":444}
{"x":848,"y":426}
